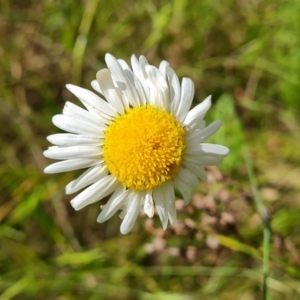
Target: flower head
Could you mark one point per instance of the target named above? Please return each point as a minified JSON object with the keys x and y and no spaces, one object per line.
{"x":138,"y":141}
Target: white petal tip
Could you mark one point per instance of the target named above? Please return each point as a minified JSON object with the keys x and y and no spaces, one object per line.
{"x":68,"y":191}
{"x":100,"y":219}
{"x":109,"y":57}
{"x":69,"y":86}
{"x":173,"y":221}
{"x":208,"y":99}
{"x":149,"y":206}
{"x":75,"y":205}
{"x":49,"y":170}
{"x":72,"y":88}
{"x":165,"y":226}
{"x":47,"y":153}
{"x":55,"y":119}
{"x":46,"y":170}
{"x":150,"y":214}
{"x":123,"y":231}
{"x":226,"y":151}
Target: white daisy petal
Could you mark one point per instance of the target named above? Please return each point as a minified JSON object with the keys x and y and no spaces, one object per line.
{"x":163,"y":66}
{"x":140,"y":76}
{"x":184,"y":189}
{"x":169,"y":195}
{"x":198,"y":125}
{"x":197,"y":113}
{"x":72,"y":152}
{"x":115,"y":202}
{"x":199,"y":171}
{"x":215,"y":149}
{"x":155,"y":96}
{"x":124,"y":65}
{"x":128,"y":91}
{"x":186,"y":181}
{"x":134,"y":81}
{"x":186,"y":98}
{"x":71,"y":165}
{"x":95,"y":192}
{"x":141,"y":91}
{"x":83,"y":115}
{"x":122,"y":213}
{"x":69,"y":139}
{"x":92,"y":102}
{"x":159,"y":92}
{"x":76,"y":126}
{"x":161,"y":205}
{"x":132,"y":211}
{"x":208,"y":149}
{"x":149,"y":205}
{"x":90,"y":176}
{"x":204,"y":160}
{"x":143,"y":77}
{"x":136,"y":67}
{"x":143,"y":63}
{"x":197,"y":136}
{"x":111,"y":93}
{"x":188,"y":177}
{"x":96,"y":86}
{"x":175,"y":90}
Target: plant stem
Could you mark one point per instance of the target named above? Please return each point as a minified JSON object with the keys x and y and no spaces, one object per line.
{"x":266,"y":223}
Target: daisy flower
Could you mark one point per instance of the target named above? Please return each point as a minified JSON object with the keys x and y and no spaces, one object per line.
{"x":137,"y":139}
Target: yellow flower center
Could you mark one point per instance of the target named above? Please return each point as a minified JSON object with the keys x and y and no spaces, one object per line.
{"x":143,"y":147}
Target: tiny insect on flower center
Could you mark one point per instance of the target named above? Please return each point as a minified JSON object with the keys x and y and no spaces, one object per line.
{"x":143,"y":148}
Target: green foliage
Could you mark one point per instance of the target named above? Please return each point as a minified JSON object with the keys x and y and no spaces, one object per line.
{"x":286,"y":221}
{"x":246,"y":54}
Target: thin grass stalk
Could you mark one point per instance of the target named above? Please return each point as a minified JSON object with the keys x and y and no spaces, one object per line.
{"x":266,"y":223}
{"x":82,"y":39}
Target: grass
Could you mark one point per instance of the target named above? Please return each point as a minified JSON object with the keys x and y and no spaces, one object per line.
{"x":247,"y":55}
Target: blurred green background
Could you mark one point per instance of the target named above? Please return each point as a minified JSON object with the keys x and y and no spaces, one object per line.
{"x":246,"y":53}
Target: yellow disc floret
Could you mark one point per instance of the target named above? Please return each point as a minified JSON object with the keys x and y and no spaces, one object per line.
{"x":143,"y":147}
